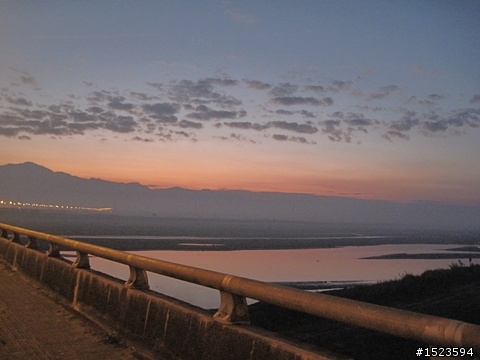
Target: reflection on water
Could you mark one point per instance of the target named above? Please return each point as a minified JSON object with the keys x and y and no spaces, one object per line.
{"x":331,"y":264}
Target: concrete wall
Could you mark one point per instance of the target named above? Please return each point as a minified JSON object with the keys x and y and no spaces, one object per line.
{"x":166,"y":326}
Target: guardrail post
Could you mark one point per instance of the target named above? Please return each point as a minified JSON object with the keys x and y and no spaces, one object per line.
{"x":53,"y":250}
{"x":138,"y":279}
{"x":16,"y":238}
{"x":233,"y":309}
{"x":82,"y":261}
{"x":32,"y":243}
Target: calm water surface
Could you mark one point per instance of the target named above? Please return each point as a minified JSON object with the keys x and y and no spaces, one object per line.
{"x":331,"y":264}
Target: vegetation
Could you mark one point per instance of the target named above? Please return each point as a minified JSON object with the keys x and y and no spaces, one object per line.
{"x":452,"y":293}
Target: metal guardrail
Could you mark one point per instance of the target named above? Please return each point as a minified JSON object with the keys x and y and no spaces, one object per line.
{"x":234,"y":290}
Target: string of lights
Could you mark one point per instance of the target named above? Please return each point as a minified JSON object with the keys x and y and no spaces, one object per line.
{"x":20,"y":204}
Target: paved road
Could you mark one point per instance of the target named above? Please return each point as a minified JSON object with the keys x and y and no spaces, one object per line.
{"x":35,"y":326}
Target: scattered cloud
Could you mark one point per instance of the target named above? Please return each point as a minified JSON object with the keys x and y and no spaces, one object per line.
{"x":142,"y":96}
{"x":162,"y":112}
{"x":298,"y":100}
{"x":240,"y":137}
{"x":26,"y":80}
{"x":283,"y":90}
{"x":435,"y":97}
{"x":246,"y":125}
{"x":257,"y":84}
{"x":180,"y":109}
{"x":117,"y":103}
{"x":339,"y":85}
{"x":475,"y":99}
{"x":293,"y":126}
{"x":315,"y":88}
{"x":297,"y":139}
{"x":21,"y":101}
{"x":381,"y":93}
{"x":202,"y":112}
{"x":190,"y":124}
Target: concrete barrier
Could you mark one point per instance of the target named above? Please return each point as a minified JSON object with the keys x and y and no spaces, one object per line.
{"x":169,"y":327}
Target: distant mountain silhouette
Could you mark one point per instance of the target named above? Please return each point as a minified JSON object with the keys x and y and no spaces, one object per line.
{"x":29,"y":182}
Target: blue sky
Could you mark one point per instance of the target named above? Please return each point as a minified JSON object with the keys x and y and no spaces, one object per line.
{"x":370,"y":99}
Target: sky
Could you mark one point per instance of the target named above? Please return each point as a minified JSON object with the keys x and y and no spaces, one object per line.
{"x":364,"y":99}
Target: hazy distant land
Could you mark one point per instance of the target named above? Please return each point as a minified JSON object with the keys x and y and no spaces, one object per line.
{"x":29,"y":183}
{"x":129,"y":233}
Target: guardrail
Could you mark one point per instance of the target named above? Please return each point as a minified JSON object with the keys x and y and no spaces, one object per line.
{"x":234,"y":290}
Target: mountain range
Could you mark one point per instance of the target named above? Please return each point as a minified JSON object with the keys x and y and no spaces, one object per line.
{"x":32,"y":183}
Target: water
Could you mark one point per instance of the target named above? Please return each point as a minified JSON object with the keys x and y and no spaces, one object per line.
{"x":301,"y":265}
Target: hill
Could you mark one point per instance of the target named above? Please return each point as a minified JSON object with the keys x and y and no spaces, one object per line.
{"x":452,"y":293}
{"x":32,"y":183}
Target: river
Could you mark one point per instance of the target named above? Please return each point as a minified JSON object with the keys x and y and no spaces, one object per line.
{"x":333,"y":265}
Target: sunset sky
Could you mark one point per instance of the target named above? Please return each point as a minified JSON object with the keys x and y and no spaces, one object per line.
{"x":366,"y":99}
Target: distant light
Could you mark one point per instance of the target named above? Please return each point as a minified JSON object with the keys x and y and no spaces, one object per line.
{"x":52,"y":206}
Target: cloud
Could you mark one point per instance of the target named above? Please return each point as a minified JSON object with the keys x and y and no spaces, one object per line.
{"x":395,"y":134}
{"x":298,"y":100}
{"x":203,"y":92}
{"x":293,"y":126}
{"x":202,"y":112}
{"x":354,"y":119}
{"x":429,"y":100}
{"x":121,"y":124}
{"x":284,"y":112}
{"x":257,"y":85}
{"x":280,"y":137}
{"x":304,"y":113}
{"x":142,"y":96}
{"x":435,"y":126}
{"x":307,"y":114}
{"x":157,"y":86}
{"x":246,"y":125}
{"x":344,"y":126}
{"x":63,"y":120}
{"x":97,"y":97}
{"x":406,"y":123}
{"x":162,"y":112}
{"x":297,"y":139}
{"x":154,"y":115}
{"x":435,"y":97}
{"x":315,"y":88}
{"x":222,"y":81}
{"x":433,"y":123}
{"x":117,"y":103}
{"x":26,"y":80}
{"x":190,"y":124}
{"x":359,"y":120}
{"x":138,"y":138}
{"x":382,"y":92}
{"x":95,"y":109}
{"x":21,"y":101}
{"x":284,"y":89}
{"x":332,"y":130}
{"x":475,"y":99}
{"x":339,"y":85}
{"x":242,"y":138}
{"x":465,"y":117}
